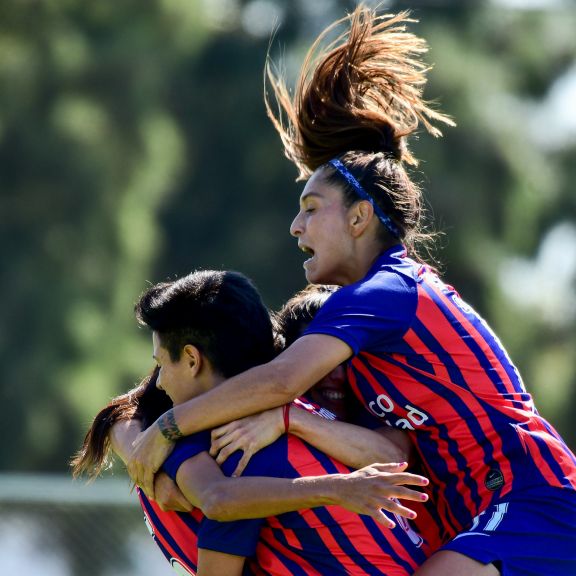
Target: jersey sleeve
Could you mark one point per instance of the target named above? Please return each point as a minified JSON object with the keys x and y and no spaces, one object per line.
{"x":241,"y":537}
{"x":184,"y":449}
{"x":370,"y":314}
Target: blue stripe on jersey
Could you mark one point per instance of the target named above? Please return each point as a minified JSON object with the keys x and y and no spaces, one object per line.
{"x":345,"y":541}
{"x":547,"y":455}
{"x":317,"y":553}
{"x":158,"y":526}
{"x":327,"y":463}
{"x":291,"y":566}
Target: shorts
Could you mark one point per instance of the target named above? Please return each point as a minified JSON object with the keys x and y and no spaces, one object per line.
{"x":530,"y":533}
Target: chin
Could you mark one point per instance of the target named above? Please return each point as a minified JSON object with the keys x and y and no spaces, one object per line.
{"x":315,"y":277}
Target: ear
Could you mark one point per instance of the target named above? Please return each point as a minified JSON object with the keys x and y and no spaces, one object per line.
{"x":193,"y":357}
{"x":360,"y":216}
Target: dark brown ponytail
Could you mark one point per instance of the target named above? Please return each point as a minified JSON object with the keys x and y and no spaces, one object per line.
{"x":362,"y":91}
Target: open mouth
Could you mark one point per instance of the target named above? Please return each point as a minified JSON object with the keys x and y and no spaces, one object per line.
{"x":332,"y":395}
{"x":307,"y":250}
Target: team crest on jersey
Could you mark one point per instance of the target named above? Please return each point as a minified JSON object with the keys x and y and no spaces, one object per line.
{"x":494,"y":480}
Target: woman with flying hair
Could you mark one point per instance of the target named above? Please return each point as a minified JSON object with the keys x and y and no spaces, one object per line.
{"x":420,"y":358}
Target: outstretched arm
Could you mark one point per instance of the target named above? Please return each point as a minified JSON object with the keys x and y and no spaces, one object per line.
{"x":273,"y":384}
{"x":370,"y":490}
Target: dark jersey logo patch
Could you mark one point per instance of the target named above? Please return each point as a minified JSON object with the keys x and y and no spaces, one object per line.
{"x":494,"y":480}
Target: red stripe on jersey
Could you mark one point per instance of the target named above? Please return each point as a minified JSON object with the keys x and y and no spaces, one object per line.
{"x":178,"y":530}
{"x":435,"y":320}
{"x":305,"y":463}
{"x":523,"y":415}
{"x":425,"y":524}
{"x":416,"y":343}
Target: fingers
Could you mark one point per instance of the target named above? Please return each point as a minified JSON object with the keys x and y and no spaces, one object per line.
{"x":227,"y":451}
{"x":148,"y":484}
{"x":379,"y":516}
{"x":242,"y":464}
{"x":395,"y":507}
{"x":222,"y":439}
{"x":393,"y":474}
{"x":221,"y":431}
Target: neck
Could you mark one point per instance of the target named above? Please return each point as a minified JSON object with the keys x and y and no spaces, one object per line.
{"x":366,"y":254}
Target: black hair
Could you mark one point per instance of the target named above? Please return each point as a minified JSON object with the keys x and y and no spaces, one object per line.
{"x":219,"y":312}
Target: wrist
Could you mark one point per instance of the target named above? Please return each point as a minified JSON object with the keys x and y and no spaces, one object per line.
{"x":297,"y":424}
{"x":169,"y":427}
{"x":324,"y":490}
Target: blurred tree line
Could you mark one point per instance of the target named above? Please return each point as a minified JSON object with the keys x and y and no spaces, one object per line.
{"x":134,"y":148}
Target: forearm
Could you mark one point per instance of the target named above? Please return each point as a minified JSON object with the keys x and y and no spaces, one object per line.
{"x":122,"y":435}
{"x":260,"y":497}
{"x":352,"y":445}
{"x":257,"y":389}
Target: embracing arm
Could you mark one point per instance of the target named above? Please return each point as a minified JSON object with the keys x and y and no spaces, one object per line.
{"x":365,"y":491}
{"x":273,"y":384}
{"x":122,"y":436}
{"x":353,"y":445}
{"x":276,"y":383}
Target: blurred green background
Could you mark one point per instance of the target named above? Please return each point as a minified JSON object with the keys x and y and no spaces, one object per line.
{"x":134,"y":147}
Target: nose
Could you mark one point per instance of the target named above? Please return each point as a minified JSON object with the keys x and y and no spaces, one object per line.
{"x":296,"y":226}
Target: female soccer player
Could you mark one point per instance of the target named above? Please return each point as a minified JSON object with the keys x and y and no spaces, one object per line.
{"x":418,"y":356}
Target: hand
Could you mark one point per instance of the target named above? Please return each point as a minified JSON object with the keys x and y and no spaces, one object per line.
{"x":249,"y":434}
{"x":168,"y":496}
{"x":149,"y":451}
{"x":375,"y":488}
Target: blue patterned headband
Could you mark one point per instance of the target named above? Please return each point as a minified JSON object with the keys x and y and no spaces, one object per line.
{"x":383,"y":217}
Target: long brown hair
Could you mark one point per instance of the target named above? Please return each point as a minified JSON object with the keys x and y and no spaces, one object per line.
{"x":358,"y":98}
{"x":144,"y":403}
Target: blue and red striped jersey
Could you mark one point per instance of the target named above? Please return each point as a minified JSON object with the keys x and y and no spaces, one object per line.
{"x":425,"y":362}
{"x":326,"y":540}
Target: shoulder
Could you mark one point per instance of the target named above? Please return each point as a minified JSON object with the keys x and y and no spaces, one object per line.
{"x":388,"y":287}
{"x":184,"y":449}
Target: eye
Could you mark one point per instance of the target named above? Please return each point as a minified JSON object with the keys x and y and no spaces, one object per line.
{"x":309,"y":210}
